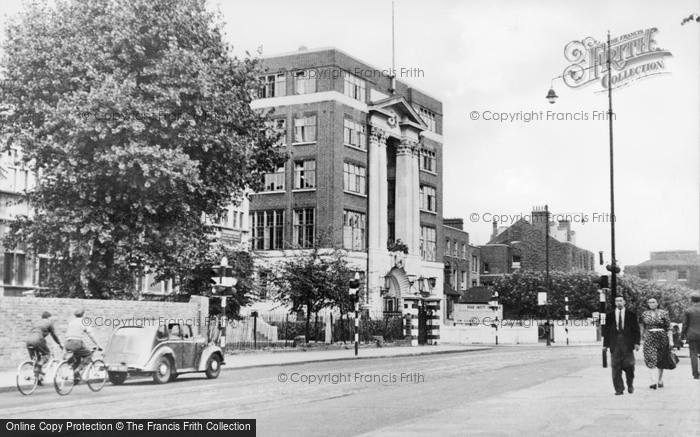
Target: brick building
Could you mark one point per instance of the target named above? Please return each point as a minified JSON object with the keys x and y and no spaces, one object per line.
{"x":521,"y":246}
{"x":364,"y":172}
{"x":461,"y":261}
{"x":674,"y":267}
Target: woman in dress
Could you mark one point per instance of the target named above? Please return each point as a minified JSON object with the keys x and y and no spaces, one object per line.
{"x":656,"y":325}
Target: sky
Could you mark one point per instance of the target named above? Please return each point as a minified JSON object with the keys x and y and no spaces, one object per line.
{"x":500,"y":57}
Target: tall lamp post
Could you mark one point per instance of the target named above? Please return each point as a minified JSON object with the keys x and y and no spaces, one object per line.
{"x":551,"y":97}
{"x":493,"y":304}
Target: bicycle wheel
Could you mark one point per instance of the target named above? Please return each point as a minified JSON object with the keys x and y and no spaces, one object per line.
{"x":27,"y":378}
{"x":96,"y":375}
{"x":64,"y":379}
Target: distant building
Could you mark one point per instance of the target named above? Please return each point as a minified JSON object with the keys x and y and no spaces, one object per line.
{"x":21,"y":272}
{"x":521,"y":246}
{"x":674,"y":267}
{"x":457,"y":259}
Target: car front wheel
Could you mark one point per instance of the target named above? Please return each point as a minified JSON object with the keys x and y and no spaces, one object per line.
{"x":163,"y":370}
{"x":213,"y":366}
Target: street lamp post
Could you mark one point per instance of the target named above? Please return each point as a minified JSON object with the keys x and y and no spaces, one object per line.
{"x":551,"y":97}
{"x":493,"y":304}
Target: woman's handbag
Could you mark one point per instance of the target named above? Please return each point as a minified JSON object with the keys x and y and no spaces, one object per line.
{"x":671,"y":359}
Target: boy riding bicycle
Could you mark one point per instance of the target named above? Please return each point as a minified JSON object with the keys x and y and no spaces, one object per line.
{"x":36,"y":343}
{"x":74,"y":340}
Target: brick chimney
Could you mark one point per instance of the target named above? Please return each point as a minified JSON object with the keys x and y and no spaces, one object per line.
{"x":539,"y":218}
{"x":494,"y":229}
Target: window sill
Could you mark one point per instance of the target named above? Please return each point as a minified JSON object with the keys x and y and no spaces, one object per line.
{"x":303,"y":190}
{"x":304,"y":143}
{"x":272,"y":192}
{"x":356,"y":148}
{"x":428,"y":212}
{"x":429,"y":172}
{"x":354,"y":193}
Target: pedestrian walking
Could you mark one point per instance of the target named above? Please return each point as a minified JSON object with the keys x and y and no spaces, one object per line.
{"x":622,"y":336}
{"x":691,"y":332}
{"x":657,"y":337}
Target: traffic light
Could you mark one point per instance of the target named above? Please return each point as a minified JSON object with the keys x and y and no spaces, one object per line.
{"x":354,"y":284}
{"x":610,"y":268}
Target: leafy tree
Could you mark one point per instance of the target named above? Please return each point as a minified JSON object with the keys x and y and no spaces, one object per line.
{"x":517,"y":293}
{"x":136,"y":117}
{"x":313,"y":281}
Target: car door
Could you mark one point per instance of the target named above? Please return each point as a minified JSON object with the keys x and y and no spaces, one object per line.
{"x":189,"y":348}
{"x":175,"y":342}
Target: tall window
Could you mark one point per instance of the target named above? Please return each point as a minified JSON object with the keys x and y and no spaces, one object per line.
{"x":464,"y":280}
{"x":305,"y":129}
{"x":305,"y":82}
{"x":304,"y":174}
{"x":275,"y":181}
{"x":354,"y":227}
{"x":267,"y":229}
{"x":464,"y":250}
{"x":14,"y":177}
{"x":277,"y":127}
{"x":354,"y":134}
{"x":354,"y":87}
{"x":354,"y":177}
{"x":428,"y":117}
{"x":15,"y":268}
{"x":427,"y":243}
{"x":447,"y":248}
{"x":304,"y":227}
{"x":273,"y":85}
{"x":455,"y":250}
{"x":475,"y":264}
{"x":427,"y":160}
{"x":44,"y":272}
{"x":428,"y":198}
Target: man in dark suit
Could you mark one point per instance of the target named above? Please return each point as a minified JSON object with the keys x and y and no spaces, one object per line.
{"x":622,"y":336}
{"x":691,"y":332}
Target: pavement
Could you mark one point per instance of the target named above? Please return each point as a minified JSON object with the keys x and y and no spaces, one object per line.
{"x":253,"y":359}
{"x":576,"y":404}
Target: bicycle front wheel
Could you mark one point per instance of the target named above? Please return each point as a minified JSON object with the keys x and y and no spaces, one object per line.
{"x":27,"y":378}
{"x":96,"y":375}
{"x":64,"y":379}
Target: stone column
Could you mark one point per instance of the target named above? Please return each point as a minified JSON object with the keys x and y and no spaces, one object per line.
{"x":407,"y":195}
{"x":416,"y":198}
{"x":377,"y":223}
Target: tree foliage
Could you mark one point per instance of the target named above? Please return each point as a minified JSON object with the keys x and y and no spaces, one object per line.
{"x":313,"y":281}
{"x":517,"y":293}
{"x":136,"y":117}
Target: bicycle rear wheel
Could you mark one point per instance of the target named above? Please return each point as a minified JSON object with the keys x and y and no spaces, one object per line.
{"x":64,"y":379}
{"x":96,"y":375}
{"x":27,"y":378}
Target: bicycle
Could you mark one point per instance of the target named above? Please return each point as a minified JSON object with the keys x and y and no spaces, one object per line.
{"x":31,"y":372}
{"x":94,"y":373}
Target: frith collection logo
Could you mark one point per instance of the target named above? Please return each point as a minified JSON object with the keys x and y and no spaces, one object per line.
{"x":632,"y":57}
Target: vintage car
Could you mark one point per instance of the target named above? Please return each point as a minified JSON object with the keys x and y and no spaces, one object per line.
{"x":163,"y":352}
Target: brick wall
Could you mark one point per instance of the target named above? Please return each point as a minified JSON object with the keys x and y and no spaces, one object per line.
{"x":19,"y":314}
